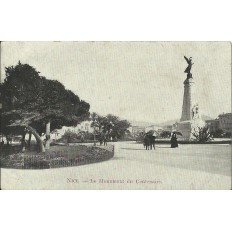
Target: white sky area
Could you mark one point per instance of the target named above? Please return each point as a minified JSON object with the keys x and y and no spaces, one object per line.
{"x":140,"y":81}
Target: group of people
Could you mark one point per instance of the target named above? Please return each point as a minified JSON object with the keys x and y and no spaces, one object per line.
{"x":149,"y":141}
{"x":103,"y":139}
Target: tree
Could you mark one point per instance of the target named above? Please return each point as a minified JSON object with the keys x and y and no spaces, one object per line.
{"x":98,"y":122}
{"x":110,"y":125}
{"x":217,"y":134}
{"x":69,"y":137}
{"x":32,"y":102}
{"x":165,"y":134}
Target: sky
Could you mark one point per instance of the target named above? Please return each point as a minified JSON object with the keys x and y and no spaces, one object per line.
{"x":141,"y":81}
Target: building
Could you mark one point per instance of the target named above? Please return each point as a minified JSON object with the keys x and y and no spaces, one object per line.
{"x":136,"y":130}
{"x":83,"y":126}
{"x":225,"y":122}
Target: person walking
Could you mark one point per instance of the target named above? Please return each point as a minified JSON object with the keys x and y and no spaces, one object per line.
{"x":152,"y":142}
{"x":82,"y":138}
{"x":174,"y":142}
{"x":105,"y":140}
{"x":101,"y":139}
{"x":146,"y":142}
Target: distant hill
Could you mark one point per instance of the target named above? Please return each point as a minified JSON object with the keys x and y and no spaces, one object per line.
{"x":167,"y":123}
{"x":170,"y":122}
{"x":141,"y":124}
{"x":205,"y":117}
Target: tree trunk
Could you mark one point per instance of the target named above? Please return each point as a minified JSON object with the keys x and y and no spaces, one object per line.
{"x":29,"y":141}
{"x":37,"y":137}
{"x":23,"y":143}
{"x":48,"y":135}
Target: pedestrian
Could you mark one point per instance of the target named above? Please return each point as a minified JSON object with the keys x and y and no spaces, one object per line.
{"x":152,"y":142}
{"x":174,"y":142}
{"x":100,"y":139}
{"x":146,"y":142}
{"x":82,"y":138}
{"x":105,"y":140}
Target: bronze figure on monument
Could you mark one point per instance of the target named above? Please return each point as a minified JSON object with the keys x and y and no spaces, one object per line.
{"x":188,"y":69}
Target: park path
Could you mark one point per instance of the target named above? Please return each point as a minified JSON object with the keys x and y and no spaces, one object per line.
{"x":132,"y":167}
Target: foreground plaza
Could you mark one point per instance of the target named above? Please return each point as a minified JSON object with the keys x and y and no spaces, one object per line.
{"x":198,"y":166}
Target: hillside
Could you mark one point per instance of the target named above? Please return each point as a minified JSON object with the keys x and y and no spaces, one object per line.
{"x":141,"y":124}
{"x":170,"y":122}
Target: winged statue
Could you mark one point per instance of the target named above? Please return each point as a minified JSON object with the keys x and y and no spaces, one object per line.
{"x":190,"y":63}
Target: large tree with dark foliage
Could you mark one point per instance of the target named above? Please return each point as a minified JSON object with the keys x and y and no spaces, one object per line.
{"x":30,"y":102}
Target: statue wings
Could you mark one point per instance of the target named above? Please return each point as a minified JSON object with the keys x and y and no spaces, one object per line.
{"x":188,"y":61}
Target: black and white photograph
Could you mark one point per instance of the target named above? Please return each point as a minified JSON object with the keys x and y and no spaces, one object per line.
{"x":116,"y":115}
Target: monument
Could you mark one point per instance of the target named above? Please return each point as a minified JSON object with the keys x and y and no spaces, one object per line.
{"x":190,"y":120}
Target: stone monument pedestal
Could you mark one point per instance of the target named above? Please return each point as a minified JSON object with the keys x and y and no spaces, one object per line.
{"x":185,"y":128}
{"x":188,"y":127}
{"x":190,"y":119}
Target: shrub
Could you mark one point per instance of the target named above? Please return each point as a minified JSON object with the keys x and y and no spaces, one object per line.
{"x":217,"y":134}
{"x":201,"y":134}
{"x":69,"y":137}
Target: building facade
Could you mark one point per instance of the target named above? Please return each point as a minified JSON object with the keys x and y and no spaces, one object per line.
{"x":136,"y":130}
{"x":84,"y":126}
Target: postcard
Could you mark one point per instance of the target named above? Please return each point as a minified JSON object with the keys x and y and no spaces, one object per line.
{"x":115,"y":115}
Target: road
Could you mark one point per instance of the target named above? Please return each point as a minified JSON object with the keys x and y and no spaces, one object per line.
{"x":186,"y":167}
